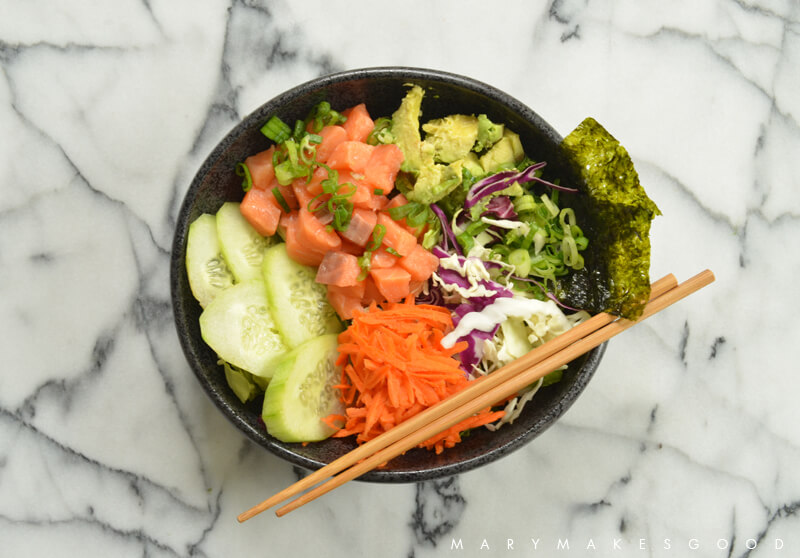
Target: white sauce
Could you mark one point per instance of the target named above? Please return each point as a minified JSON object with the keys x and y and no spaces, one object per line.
{"x":498,"y":312}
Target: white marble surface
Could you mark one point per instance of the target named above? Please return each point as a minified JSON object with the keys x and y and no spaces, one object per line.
{"x":689,"y":431}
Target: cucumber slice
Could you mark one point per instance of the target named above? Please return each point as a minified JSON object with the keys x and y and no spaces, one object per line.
{"x":298,"y":303}
{"x":242,"y":246}
{"x":205,"y":266}
{"x":301,"y":392}
{"x":237,"y":325}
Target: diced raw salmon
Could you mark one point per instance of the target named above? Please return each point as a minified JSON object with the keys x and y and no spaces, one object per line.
{"x":338,"y":268}
{"x":344,"y":305}
{"x":383,"y":166}
{"x":350,"y":155}
{"x":295,"y":248}
{"x":381,"y":259}
{"x":419,"y":263}
{"x":314,"y":235}
{"x":331,"y":137}
{"x":371,"y":292}
{"x":355,"y":291}
{"x":392,"y":282}
{"x":302,"y":193}
{"x":361,"y":225}
{"x":261,"y":170}
{"x":359,"y":124}
{"x":396,"y":236}
{"x":261,"y":210}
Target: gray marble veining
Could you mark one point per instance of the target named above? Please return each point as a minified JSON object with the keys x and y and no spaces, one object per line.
{"x":686,"y":442}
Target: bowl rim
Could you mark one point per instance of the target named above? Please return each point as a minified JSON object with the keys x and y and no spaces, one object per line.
{"x":177,"y":268}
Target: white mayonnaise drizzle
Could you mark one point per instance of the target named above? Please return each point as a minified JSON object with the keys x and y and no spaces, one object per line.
{"x":498,"y":312}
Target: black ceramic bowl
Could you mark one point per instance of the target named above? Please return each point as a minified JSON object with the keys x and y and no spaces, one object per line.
{"x":382,"y":90}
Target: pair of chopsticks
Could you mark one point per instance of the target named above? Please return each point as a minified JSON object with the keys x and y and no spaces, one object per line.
{"x":481,"y":393}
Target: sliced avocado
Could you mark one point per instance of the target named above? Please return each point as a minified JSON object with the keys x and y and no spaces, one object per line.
{"x":405,"y":129}
{"x":435,"y":181}
{"x":506,"y":153}
{"x":471,"y":163}
{"x":452,"y":137}
{"x":488,"y":133}
{"x":516,"y":145}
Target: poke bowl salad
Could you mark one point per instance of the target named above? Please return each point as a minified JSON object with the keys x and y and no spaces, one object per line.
{"x":369,"y":243}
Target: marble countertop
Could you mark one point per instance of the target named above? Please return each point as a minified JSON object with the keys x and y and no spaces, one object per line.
{"x":686,"y":442}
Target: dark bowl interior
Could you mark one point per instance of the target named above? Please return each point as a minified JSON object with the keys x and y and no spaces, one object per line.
{"x":382,"y":90}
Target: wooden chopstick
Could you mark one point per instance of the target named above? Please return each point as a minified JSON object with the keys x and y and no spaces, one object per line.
{"x":443,"y":415}
{"x":502,"y":391}
{"x":432,"y":413}
{"x":408,"y":427}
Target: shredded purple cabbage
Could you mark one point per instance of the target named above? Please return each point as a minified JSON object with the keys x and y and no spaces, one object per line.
{"x":471,"y":356}
{"x":434,"y":296}
{"x":501,"y":207}
{"x":504,"y":179}
{"x":448,"y":237}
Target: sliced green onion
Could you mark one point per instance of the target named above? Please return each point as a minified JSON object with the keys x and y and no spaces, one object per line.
{"x":308,"y":148}
{"x":528,"y":240}
{"x":378,"y":191}
{"x":312,"y":207}
{"x":569,"y":250}
{"x":281,"y":200}
{"x":377,"y":237}
{"x":399,"y":212}
{"x":419,"y":215}
{"x":524,"y":203}
{"x":330,"y":184}
{"x":501,"y":249}
{"x":285,"y":173}
{"x":365,"y":263}
{"x":521,"y":260}
{"x":342,"y":213}
{"x":299,"y":130}
{"x":394,"y":252}
{"x":276,"y":130}
{"x":567,"y":219}
{"x":381,"y":124}
{"x":539,"y":239}
{"x":551,"y":207}
{"x":244,"y":172}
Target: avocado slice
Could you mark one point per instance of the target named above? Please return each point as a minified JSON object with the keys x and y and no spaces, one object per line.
{"x":489,"y":133}
{"x":506,"y":153}
{"x":405,"y":129}
{"x":451,"y":137}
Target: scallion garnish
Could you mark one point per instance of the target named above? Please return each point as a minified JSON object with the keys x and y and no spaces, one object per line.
{"x":365,"y":263}
{"x":244,"y":172}
{"x":276,"y":130}
{"x":281,"y":200}
{"x":377,"y":237}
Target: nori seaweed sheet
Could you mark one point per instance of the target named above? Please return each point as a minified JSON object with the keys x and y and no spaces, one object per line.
{"x":615,"y":214}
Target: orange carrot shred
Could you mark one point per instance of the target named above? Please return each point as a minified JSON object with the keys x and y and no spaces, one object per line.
{"x":394,"y":366}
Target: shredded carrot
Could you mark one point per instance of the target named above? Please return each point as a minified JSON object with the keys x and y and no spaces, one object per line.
{"x":394,"y":366}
